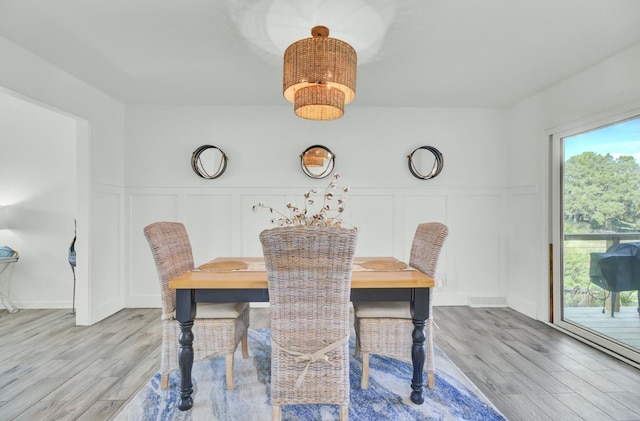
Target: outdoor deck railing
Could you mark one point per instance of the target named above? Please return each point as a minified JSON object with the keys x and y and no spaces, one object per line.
{"x":594,"y":242}
{"x":611,"y":237}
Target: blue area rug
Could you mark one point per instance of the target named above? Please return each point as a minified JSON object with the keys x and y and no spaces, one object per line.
{"x":455,"y":397}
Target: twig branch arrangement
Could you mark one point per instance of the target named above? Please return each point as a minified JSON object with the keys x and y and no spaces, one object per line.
{"x":328,"y":215}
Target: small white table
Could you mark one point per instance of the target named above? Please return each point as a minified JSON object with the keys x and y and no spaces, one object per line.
{"x":6,"y":301}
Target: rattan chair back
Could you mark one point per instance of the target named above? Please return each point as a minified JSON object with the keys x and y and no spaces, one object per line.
{"x":426,"y":247}
{"x":172,"y":253}
{"x":309,"y":273}
{"x":214,"y":334}
{"x":391,"y":334}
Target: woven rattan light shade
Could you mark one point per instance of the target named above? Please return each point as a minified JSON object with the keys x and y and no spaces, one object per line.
{"x":319,"y":75}
{"x":315,"y":157}
{"x":313,"y":161}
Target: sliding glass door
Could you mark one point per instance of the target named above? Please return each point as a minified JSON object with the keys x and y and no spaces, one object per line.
{"x":596,"y":220}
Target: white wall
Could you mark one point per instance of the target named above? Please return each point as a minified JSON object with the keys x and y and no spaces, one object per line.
{"x":608,"y":88}
{"x":39,"y":188}
{"x":99,"y":170}
{"x":371,"y":145}
{"x":492,"y":192}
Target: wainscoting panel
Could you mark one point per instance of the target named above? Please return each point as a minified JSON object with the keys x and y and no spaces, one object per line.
{"x":252,"y":223}
{"x":374,"y":216}
{"x":107,"y":238}
{"x":144,"y":290}
{"x":477,"y":246}
{"x":416,"y":210}
{"x":208,"y":225}
{"x":221,"y":222}
{"x":526,"y":264}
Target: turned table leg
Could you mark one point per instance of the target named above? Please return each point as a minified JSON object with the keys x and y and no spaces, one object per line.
{"x":185,"y":313}
{"x":419,"y":314}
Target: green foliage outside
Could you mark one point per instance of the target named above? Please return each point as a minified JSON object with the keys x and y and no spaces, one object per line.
{"x":601,"y":195}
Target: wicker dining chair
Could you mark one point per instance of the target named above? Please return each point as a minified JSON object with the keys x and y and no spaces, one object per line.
{"x":386,"y":327}
{"x":217,"y":328}
{"x":309,"y":273}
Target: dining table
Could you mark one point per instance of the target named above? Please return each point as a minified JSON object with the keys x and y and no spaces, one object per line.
{"x":244,"y":279}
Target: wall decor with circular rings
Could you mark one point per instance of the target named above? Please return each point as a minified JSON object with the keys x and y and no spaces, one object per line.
{"x":425,"y":162}
{"x":317,"y":161}
{"x":209,"y":161}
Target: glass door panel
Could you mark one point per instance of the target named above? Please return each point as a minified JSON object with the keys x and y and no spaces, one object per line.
{"x":599,"y":235}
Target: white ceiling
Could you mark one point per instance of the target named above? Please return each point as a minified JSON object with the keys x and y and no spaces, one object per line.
{"x":459,"y":53}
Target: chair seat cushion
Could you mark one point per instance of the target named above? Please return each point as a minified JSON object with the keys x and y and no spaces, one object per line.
{"x":220,"y":310}
{"x":382,"y":309}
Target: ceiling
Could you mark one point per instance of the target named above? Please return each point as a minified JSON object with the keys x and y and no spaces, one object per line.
{"x":414,"y":53}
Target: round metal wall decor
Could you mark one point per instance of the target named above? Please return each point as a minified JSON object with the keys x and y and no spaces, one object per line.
{"x":317,"y":161}
{"x":209,"y":161}
{"x":425,"y":162}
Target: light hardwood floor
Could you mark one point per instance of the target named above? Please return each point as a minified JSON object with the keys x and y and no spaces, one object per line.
{"x":51,"y":369}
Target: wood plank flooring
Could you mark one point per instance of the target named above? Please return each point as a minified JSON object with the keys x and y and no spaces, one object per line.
{"x":531,"y":371}
{"x":51,"y":369}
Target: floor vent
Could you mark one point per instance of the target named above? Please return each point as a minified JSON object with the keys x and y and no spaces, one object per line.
{"x":487,"y":302}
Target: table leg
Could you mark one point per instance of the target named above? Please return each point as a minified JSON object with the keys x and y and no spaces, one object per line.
{"x":6,"y":301}
{"x":419,"y":314}
{"x":185,"y":362}
{"x":185,"y":313}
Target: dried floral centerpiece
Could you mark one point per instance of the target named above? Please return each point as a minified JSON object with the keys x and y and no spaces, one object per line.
{"x":328,"y":214}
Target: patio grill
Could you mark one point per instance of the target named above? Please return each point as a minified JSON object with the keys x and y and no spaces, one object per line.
{"x":616,"y":270}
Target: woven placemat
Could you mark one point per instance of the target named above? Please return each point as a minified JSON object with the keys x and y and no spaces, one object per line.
{"x":384,"y":265}
{"x":223,"y":265}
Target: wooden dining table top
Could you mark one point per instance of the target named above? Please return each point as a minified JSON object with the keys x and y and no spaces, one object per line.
{"x":257,"y":279}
